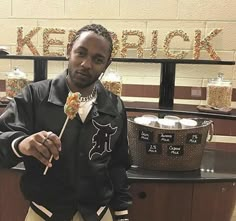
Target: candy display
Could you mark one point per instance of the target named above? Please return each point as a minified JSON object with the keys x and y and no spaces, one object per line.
{"x":112,"y":82}
{"x":167,"y":41}
{"x":219,"y":96}
{"x":26,"y":40}
{"x":219,"y":92}
{"x":113,"y":86}
{"x":15,"y":82}
{"x":200,"y":44}
{"x":47,"y":42}
{"x":153,"y":53}
{"x":126,"y":45}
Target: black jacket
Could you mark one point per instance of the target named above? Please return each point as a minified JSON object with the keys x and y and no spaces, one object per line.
{"x":91,"y":171}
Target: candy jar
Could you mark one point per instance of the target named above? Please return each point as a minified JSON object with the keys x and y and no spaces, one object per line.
{"x":112,"y":81}
{"x":16,"y":80}
{"x":219,"y":92}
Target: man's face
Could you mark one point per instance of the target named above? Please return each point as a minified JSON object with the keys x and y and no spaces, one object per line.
{"x":89,"y":56}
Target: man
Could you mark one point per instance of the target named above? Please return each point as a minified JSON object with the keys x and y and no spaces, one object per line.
{"x":88,"y":172}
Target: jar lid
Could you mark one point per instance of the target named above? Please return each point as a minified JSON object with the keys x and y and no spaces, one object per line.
{"x":112,"y":75}
{"x":219,"y":81}
{"x":17,"y":73}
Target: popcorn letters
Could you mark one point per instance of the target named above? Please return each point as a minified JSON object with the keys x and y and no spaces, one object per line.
{"x":130,"y":40}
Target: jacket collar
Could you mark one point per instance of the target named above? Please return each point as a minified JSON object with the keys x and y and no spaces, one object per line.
{"x":104,"y":102}
{"x":59,"y":91}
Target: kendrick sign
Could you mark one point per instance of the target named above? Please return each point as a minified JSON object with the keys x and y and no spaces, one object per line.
{"x":121,"y":45}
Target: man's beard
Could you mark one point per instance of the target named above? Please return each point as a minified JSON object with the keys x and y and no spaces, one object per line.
{"x":80,"y":85}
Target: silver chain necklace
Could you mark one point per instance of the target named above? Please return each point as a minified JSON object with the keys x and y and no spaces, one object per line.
{"x":89,"y":97}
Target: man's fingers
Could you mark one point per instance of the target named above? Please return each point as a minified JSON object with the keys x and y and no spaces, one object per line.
{"x":55,"y":139}
{"x":41,"y":158}
{"x":41,"y":146}
{"x":52,"y":148}
{"x":43,"y":150}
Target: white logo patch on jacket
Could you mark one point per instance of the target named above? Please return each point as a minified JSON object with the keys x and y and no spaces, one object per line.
{"x":102,"y":139}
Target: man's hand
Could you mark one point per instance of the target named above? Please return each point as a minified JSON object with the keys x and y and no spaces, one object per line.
{"x":41,"y":145}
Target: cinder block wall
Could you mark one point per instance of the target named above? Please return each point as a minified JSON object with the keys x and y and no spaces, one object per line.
{"x":119,"y":15}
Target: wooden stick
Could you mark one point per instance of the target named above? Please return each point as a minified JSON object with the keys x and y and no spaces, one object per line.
{"x":62,"y":130}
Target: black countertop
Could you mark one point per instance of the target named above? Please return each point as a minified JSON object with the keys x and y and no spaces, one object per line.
{"x":216,"y":166}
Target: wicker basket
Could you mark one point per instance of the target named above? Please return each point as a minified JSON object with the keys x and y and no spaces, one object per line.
{"x":168,"y":149}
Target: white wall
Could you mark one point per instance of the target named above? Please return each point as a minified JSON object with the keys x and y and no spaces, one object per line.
{"x":119,"y":15}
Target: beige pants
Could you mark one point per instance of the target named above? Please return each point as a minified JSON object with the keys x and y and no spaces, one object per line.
{"x":32,"y":216}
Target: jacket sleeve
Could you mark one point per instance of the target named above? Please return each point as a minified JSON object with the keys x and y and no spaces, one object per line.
{"x":15,"y":121}
{"x":120,"y":163}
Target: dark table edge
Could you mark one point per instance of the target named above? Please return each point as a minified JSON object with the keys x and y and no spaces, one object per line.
{"x":194,"y":176}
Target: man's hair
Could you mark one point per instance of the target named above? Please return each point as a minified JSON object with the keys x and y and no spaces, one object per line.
{"x":99,"y":30}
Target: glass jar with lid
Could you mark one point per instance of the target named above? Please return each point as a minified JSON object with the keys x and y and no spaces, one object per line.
{"x":16,"y":80}
{"x":112,"y":81}
{"x":219,"y":92}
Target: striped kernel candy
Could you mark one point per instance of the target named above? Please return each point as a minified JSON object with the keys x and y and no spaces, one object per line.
{"x":72,"y":104}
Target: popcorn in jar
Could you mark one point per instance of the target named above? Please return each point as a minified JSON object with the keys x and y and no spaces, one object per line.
{"x":219,"y":92}
{"x":112,"y":82}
